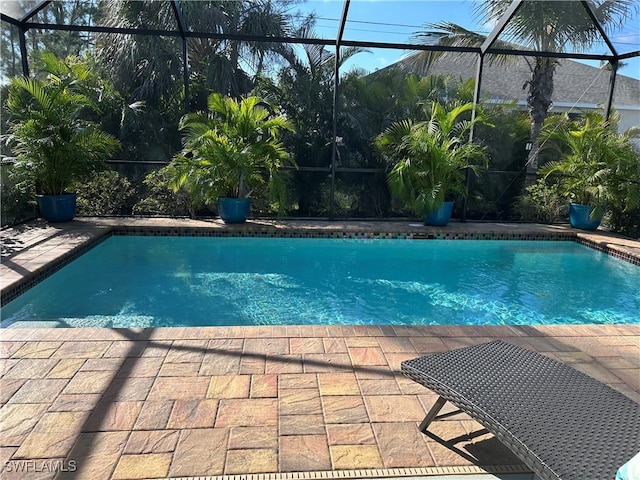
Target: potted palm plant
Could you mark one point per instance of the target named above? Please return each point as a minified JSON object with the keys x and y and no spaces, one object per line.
{"x":427,"y":158}
{"x":595,"y":166}
{"x":53,"y":142}
{"x":230,"y":152}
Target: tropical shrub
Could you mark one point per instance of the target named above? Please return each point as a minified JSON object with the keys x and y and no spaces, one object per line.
{"x":54,"y":142}
{"x":16,"y":197}
{"x":161,"y":198}
{"x":426,"y":159}
{"x":542,"y":203}
{"x":625,"y":221}
{"x":232,"y":151}
{"x":105,"y":193}
{"x":492,"y":194}
{"x":597,"y":166}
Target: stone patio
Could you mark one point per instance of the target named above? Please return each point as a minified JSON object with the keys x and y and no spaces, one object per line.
{"x":267,"y":402}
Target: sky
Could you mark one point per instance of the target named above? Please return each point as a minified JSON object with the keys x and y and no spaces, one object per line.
{"x":397,"y":20}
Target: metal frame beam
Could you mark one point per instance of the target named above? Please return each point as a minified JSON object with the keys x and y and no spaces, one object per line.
{"x":612,"y":88}
{"x":343,"y":21}
{"x":324,"y":41}
{"x":336,"y":85}
{"x":182,"y":27}
{"x":613,"y":62}
{"x":533,"y":53}
{"x":596,"y":23}
{"x":474,"y":112}
{"x":624,"y":56}
{"x":28,"y":16}
{"x":500,"y":26}
{"x":10,"y":20}
{"x":177,"y":11}
{"x":23,"y":51}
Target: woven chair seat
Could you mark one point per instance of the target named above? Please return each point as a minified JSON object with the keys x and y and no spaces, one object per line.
{"x":560,"y":422}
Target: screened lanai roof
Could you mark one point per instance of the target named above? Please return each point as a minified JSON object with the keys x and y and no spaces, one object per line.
{"x":356,"y":23}
{"x":345,"y":23}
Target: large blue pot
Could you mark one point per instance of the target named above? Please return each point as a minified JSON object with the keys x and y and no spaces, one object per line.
{"x":57,"y":208}
{"x":233,"y":210}
{"x":580,"y":217}
{"x":440,"y":216}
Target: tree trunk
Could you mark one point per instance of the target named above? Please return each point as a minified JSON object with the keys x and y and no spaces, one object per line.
{"x":538,"y":102}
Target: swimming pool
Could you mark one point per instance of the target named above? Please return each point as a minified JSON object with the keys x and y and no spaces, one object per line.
{"x":139,"y":281}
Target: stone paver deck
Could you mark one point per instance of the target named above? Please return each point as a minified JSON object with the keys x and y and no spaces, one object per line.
{"x":286,"y":400}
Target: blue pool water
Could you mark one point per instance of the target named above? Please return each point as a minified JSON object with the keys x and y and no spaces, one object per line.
{"x":171,"y":281}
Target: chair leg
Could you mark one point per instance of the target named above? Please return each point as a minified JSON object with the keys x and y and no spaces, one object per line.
{"x":433,"y":413}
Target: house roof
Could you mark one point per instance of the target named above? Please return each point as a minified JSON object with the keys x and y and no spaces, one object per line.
{"x":575,"y":83}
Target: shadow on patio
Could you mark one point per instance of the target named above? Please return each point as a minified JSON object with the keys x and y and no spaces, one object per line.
{"x":212,"y":401}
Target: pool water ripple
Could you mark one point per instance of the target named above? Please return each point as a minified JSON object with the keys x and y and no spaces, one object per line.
{"x":182,"y":281}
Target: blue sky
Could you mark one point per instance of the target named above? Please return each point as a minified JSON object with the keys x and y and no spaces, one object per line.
{"x":396,"y":21}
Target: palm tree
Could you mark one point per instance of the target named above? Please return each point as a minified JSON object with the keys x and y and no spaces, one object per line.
{"x":149,"y":66}
{"x":543,"y":26}
{"x":53,"y":140}
{"x":304,"y":91}
{"x":144,"y":67}
{"x":232,"y":151}
{"x":427,"y":158}
{"x":597,"y":166}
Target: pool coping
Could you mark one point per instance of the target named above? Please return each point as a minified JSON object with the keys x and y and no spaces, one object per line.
{"x":21,"y":271}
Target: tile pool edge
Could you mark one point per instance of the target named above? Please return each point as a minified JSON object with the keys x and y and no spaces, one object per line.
{"x":608,"y":249}
{"x":21,"y":285}
{"x":320,"y":232}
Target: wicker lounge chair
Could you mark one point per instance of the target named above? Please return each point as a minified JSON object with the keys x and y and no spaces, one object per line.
{"x":560,"y":422}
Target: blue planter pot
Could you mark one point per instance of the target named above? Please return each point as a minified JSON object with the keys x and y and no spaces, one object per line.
{"x":233,"y":210}
{"x":441,"y":216}
{"x":580,"y":217}
{"x":57,"y":208}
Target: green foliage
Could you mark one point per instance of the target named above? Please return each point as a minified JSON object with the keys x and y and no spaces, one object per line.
{"x":542,"y":203}
{"x":160,"y":198}
{"x":105,"y":193}
{"x":232,"y":151}
{"x":625,"y":221}
{"x":426,"y":158}
{"x":543,"y":26}
{"x":491,"y":195}
{"x":60,"y":43}
{"x":597,"y":165}
{"x":16,"y":197}
{"x":150,"y":68}
{"x":304,"y":93}
{"x":54,"y":142}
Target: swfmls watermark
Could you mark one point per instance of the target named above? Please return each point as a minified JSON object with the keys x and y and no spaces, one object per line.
{"x":37,"y":466}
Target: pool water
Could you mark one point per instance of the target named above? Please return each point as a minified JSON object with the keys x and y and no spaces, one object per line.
{"x":194,"y":281}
